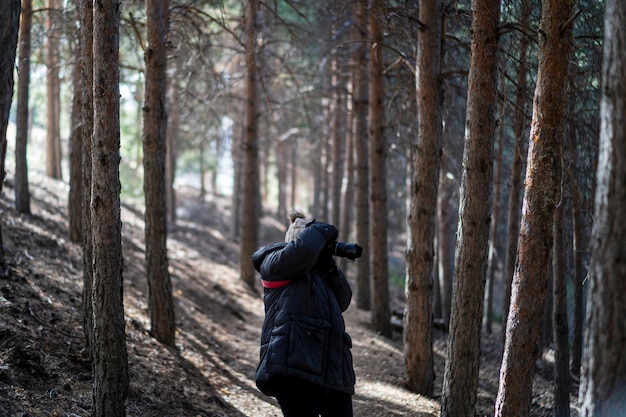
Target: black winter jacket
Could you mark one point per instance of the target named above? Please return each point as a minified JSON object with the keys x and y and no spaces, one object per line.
{"x":303,"y":334}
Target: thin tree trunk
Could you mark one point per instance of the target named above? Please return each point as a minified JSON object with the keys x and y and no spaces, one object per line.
{"x":580,"y":247}
{"x":250,"y":212}
{"x":446,"y":215}
{"x":86,"y":63}
{"x":53,"y":93}
{"x":161,"y":304}
{"x":602,"y":392}
{"x":22,"y":194}
{"x":463,"y":352}
{"x":75,"y":199}
{"x":361,"y":104}
{"x":110,"y":361}
{"x":517,"y":172}
{"x":559,"y":317}
{"x":492,"y":263}
{"x":426,"y":159}
{"x":381,"y":313}
{"x":535,"y":241}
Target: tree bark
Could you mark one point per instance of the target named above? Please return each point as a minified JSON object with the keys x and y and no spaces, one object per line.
{"x":603,"y":388}
{"x":426,"y":158}
{"x":381,"y":313}
{"x":22,"y":194}
{"x":522,"y":345}
{"x":10,"y":18}
{"x":161,"y":304}
{"x":517,"y":171}
{"x":361,"y":104}
{"x":250,"y":203}
{"x":463,"y":352}
{"x":86,"y":62}
{"x":559,"y":316}
{"x":110,"y":362}
{"x":53,"y":105}
{"x":75,"y":199}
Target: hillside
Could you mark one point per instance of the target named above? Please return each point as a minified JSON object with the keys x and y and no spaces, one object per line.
{"x":43,"y":367}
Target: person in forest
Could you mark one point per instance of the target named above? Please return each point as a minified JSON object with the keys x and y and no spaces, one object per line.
{"x":305,"y":358}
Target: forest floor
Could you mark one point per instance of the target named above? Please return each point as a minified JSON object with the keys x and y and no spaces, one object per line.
{"x":44,"y":370}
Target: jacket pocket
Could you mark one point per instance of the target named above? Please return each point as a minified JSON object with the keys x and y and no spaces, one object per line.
{"x":308,"y":342}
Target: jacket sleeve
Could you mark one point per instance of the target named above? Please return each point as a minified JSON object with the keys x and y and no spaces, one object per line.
{"x":295,"y":259}
{"x":340,"y":287}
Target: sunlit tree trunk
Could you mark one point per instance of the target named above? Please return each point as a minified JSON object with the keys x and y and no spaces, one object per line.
{"x":22,"y":194}
{"x":53,"y":104}
{"x":110,"y":362}
{"x":461,"y":370}
{"x":10,"y":18}
{"x":361,"y":104}
{"x":250,"y":203}
{"x":161,"y":304}
{"x":523,"y":331}
{"x":603,"y":388}
{"x":426,"y":158}
{"x":381,"y":313}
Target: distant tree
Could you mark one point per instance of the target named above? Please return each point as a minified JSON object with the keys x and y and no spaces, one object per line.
{"x":22,"y":194}
{"x":463,"y":353}
{"x":420,"y":253}
{"x":75,"y":198}
{"x":110,"y":362}
{"x":161,"y":305}
{"x":10,"y":18}
{"x":53,"y":104}
{"x":603,"y":388}
{"x":560,"y":325}
{"x":523,"y":332}
{"x":519,"y":156}
{"x":250,"y":203}
{"x":361,"y":104}
{"x":381,"y":314}
{"x":85,"y":13}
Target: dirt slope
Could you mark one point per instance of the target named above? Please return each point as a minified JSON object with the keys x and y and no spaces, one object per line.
{"x":43,"y":367}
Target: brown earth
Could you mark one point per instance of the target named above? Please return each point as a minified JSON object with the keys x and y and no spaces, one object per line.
{"x":44,"y":370}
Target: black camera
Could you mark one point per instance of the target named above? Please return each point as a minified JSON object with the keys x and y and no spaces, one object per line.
{"x":351,"y":251}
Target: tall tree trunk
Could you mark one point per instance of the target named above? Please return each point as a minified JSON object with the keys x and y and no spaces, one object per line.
{"x":580,"y":247}
{"x":75,"y":199}
{"x":338,"y":116}
{"x":361,"y":104}
{"x":381,"y":314}
{"x":559,"y":313}
{"x":250,"y":210}
{"x":53,"y":92}
{"x":161,"y":304}
{"x":86,"y":62}
{"x":519,"y":156}
{"x":492,"y":262}
{"x":447,"y":214}
{"x":173,"y":122}
{"x":531,"y":272}
{"x":603,"y":389}
{"x":10,"y":18}
{"x":22,"y":194}
{"x":110,"y":362}
{"x":426,"y":159}
{"x":463,"y":353}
